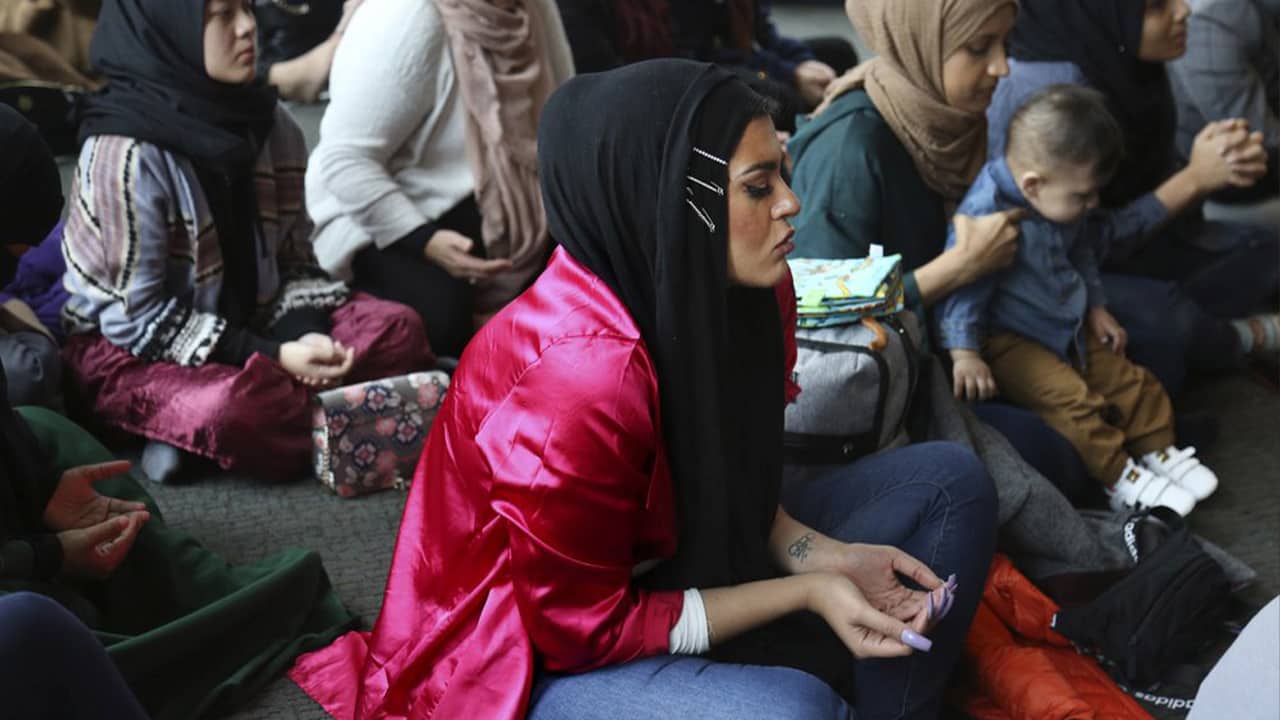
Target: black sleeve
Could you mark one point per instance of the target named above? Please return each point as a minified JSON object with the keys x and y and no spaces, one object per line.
{"x":415,"y":243}
{"x":238,"y":344}
{"x":300,"y":321}
{"x":38,"y":557}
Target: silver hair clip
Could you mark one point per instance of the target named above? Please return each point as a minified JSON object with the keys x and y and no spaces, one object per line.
{"x":702,"y":215}
{"x":709,"y":156}
{"x":708,"y":185}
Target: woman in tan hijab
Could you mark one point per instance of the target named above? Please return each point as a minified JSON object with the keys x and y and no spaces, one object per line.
{"x":424,"y":187}
{"x":892,"y":150}
{"x":915,"y":118}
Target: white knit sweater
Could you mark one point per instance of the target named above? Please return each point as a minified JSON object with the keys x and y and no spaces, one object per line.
{"x":392,"y":152}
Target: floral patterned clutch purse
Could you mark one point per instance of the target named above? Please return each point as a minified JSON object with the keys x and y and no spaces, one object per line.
{"x":368,"y":436}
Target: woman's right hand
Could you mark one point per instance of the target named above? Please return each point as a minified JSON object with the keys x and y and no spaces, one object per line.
{"x":96,"y":551}
{"x":452,"y":251}
{"x":987,"y":243}
{"x":867,"y":632}
{"x":1225,"y":154}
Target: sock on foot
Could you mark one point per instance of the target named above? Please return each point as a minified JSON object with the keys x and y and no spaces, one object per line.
{"x":161,"y":461}
{"x":1260,"y":332}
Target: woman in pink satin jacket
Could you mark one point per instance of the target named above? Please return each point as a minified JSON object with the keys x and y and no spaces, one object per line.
{"x":596,"y":528}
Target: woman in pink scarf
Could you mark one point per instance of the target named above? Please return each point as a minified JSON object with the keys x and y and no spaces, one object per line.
{"x":424,"y":186}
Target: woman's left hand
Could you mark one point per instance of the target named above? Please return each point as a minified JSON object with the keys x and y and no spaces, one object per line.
{"x":76,"y":504}
{"x":331,"y":354}
{"x":875,"y":570}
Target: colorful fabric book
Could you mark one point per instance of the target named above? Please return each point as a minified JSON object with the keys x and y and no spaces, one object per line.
{"x":841,"y":291}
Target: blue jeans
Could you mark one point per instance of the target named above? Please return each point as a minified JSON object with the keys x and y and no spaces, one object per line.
{"x":1040,"y":445}
{"x":1169,"y":333}
{"x":1176,"y":296}
{"x":680,"y":686}
{"x":54,"y":667}
{"x":933,"y":500}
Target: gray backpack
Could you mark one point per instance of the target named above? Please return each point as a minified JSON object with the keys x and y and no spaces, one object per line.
{"x":854,"y":399}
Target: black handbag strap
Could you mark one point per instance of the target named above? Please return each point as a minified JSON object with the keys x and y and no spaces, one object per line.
{"x":810,"y":449}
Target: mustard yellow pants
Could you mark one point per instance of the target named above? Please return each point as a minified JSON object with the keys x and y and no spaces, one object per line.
{"x":1112,"y":411}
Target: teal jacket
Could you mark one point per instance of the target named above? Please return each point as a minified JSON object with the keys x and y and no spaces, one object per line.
{"x":858,"y":187}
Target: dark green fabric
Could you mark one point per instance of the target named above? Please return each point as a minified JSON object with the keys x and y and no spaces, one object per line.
{"x":858,"y":186}
{"x":192,"y":635}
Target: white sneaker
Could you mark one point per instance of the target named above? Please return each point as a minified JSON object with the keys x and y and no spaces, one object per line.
{"x":1139,"y":488}
{"x":1182,"y":467}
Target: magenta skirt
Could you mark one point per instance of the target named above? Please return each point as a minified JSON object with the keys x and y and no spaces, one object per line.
{"x":254,"y":419}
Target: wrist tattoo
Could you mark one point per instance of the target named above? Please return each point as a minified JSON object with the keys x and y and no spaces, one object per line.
{"x":801,"y":547}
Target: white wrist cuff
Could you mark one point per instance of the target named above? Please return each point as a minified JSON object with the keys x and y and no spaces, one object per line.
{"x":691,"y":634}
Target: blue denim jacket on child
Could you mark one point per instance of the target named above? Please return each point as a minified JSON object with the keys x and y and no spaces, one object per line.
{"x":1045,"y":295}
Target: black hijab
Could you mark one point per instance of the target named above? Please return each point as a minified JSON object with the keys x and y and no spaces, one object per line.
{"x":615,"y":153}
{"x":30,"y":187}
{"x":1101,"y":37}
{"x":25,"y":475}
{"x":152,"y":54}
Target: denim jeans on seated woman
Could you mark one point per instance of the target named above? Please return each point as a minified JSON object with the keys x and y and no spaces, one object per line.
{"x":933,"y":500}
{"x":1041,"y":446}
{"x":1176,"y":296}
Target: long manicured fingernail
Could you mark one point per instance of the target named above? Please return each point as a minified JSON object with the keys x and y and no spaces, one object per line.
{"x":928,"y":610}
{"x":915,"y":640}
{"x":946,"y":605}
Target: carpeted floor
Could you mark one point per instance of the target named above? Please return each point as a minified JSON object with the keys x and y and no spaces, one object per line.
{"x":244,"y":520}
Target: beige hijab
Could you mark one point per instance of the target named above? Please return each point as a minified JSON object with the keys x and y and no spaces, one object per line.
{"x":505,"y":77}
{"x":912,"y":38}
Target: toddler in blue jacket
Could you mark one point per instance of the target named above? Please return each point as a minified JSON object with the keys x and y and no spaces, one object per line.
{"x":1040,"y":332}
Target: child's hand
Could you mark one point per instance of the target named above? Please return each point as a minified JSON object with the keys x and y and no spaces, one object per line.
{"x":971,"y":376}
{"x":1109,"y":332}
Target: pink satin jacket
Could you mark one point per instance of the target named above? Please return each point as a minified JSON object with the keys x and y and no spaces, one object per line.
{"x":542,"y":485}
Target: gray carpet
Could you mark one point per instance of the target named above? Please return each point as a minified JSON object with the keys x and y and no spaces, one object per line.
{"x":244,"y":520}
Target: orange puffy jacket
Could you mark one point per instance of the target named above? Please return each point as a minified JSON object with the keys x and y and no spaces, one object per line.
{"x":1020,"y":669}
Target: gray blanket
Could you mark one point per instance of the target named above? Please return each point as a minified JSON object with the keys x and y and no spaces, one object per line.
{"x":1039,"y":528}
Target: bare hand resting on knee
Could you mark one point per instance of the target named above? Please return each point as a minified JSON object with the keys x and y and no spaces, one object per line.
{"x":316,"y":360}
{"x":971,"y":376}
{"x":866,"y":631}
